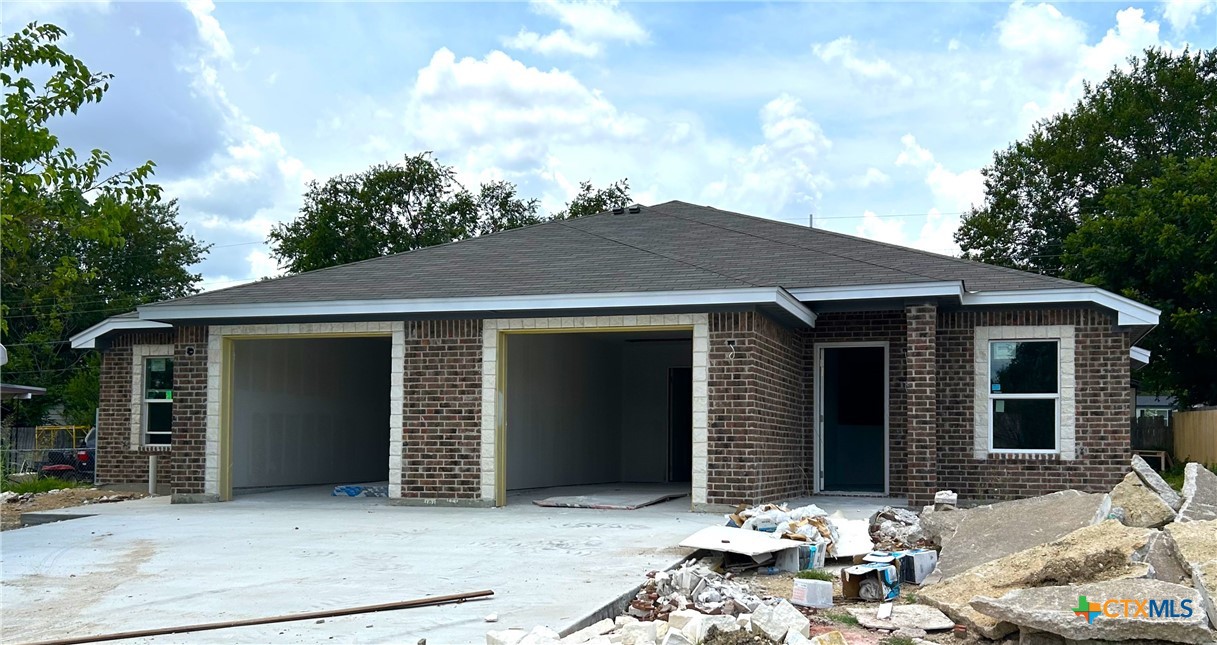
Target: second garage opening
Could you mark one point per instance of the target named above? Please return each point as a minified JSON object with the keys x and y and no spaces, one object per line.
{"x":310,"y":412}
{"x":586,"y":409}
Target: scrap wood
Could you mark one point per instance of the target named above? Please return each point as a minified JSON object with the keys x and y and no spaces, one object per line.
{"x":325,"y":613}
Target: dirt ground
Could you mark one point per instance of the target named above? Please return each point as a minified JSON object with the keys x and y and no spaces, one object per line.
{"x":10,"y":512}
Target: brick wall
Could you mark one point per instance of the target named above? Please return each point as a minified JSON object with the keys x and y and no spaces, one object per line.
{"x":117,"y":462}
{"x":920,"y":397}
{"x":757,"y":429}
{"x":888,"y":326}
{"x":441,"y":425}
{"x":189,"y":412}
{"x":1101,"y":423}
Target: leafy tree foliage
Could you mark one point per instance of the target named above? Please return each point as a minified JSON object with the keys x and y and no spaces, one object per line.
{"x":391,"y":208}
{"x":591,"y":200}
{"x":79,"y":242}
{"x":1158,"y":244}
{"x":1039,"y":190}
{"x":1118,"y":192}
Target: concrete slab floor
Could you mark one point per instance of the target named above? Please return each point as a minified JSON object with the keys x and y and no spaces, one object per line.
{"x":146,"y":563}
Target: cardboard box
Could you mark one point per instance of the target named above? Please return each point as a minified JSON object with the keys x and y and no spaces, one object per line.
{"x":885,"y":575}
{"x":799,"y":558}
{"x":916,"y":564}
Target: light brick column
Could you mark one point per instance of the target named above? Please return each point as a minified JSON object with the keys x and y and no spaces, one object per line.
{"x":921,"y":400}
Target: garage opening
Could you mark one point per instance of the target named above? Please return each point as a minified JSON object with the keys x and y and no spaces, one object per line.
{"x":310,"y":412}
{"x":608,"y":413}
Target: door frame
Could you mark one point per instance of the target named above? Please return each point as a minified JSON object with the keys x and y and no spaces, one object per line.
{"x":818,"y":444}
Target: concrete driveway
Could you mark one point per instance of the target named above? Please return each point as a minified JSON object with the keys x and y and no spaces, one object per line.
{"x":146,"y":563}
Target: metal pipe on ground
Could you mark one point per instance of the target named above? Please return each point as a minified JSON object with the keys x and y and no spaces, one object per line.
{"x":286,"y":618}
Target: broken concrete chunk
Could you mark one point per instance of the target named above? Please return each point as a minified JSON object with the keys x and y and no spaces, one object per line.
{"x":591,"y":631}
{"x":986,"y":533}
{"x":944,"y":499}
{"x":1196,"y":547}
{"x":903,"y":616}
{"x":776,"y":620}
{"x":1141,"y":506}
{"x":622,"y":621}
{"x":1156,"y":610}
{"x":540,"y":635}
{"x":893,"y":528}
{"x":1028,"y":636}
{"x":795,"y":638}
{"x":681,"y":617}
{"x":640,"y":632}
{"x":698,"y":629}
{"x":676,"y":637}
{"x":1160,"y":555}
{"x":1155,"y":483}
{"x":505,"y":636}
{"x":1199,"y":494}
{"x":830,"y":638}
{"x":1090,"y":554}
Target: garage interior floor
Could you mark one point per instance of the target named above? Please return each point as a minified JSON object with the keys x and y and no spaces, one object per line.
{"x":147,"y":563}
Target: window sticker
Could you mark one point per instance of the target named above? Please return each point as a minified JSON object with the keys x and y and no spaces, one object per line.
{"x":999,"y":405}
{"x":997,"y":387}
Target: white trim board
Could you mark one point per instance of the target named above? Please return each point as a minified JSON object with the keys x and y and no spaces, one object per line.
{"x":87,"y":339}
{"x":1130,"y":312}
{"x":1139,"y":355}
{"x":775,"y":296}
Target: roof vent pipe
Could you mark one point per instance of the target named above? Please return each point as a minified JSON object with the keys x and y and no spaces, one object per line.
{"x":636,"y":208}
{"x":617,"y":210}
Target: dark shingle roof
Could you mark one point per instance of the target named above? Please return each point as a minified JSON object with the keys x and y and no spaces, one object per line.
{"x":671,"y":246}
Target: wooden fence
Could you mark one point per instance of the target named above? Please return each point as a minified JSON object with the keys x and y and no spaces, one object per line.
{"x":1195,"y":436}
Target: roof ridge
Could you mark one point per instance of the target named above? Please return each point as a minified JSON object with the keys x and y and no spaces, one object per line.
{"x":808,"y":229}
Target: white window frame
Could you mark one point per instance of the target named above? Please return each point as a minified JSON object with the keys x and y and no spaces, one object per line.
{"x":1038,"y":396}
{"x":1064,"y":335}
{"x":139,"y":357}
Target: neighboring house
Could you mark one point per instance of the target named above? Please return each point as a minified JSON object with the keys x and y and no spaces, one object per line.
{"x":1150,"y":405}
{"x":753,"y":359}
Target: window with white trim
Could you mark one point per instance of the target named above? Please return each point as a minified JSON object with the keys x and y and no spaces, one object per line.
{"x":158,"y":400}
{"x":1024,"y":395}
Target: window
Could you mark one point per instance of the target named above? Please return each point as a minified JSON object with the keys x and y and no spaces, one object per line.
{"x":1024,"y":396}
{"x":158,"y":400}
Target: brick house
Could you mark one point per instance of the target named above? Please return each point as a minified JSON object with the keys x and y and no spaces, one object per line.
{"x":747,"y":359}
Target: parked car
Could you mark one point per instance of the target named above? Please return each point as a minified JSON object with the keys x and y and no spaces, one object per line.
{"x":78,"y":464}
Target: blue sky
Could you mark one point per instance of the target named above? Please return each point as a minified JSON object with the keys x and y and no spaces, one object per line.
{"x":875,"y":117}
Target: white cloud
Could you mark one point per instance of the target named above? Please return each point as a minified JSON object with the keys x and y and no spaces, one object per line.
{"x":1041,"y":36}
{"x":209,"y":28}
{"x":872,"y":177}
{"x":845,"y":51}
{"x":588,"y":28}
{"x":955,"y":190}
{"x":1182,"y":14}
{"x":936,"y":235}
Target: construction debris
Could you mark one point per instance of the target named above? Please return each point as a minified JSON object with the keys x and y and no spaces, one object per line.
{"x":894,"y":528}
{"x":986,"y":533}
{"x":945,"y":500}
{"x":1199,"y":494}
{"x":1141,"y":506}
{"x":1091,"y":554}
{"x":1195,"y":544}
{"x":805,"y":523}
{"x":1174,"y":616}
{"x":902,"y":617}
{"x":1154,"y":482}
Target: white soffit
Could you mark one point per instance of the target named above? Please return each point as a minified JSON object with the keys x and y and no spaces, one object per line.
{"x":1139,"y":355}
{"x":87,"y":339}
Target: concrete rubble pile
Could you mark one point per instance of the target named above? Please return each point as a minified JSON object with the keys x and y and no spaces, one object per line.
{"x":1021,"y":567}
{"x":681,"y":607}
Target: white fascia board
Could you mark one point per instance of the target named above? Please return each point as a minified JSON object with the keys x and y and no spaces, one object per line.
{"x":1130,"y":312}
{"x":880,"y":291}
{"x":1139,"y":355}
{"x":499,"y":304}
{"x":87,"y":339}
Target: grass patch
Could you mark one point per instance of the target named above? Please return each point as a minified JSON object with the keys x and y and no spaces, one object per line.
{"x":815,"y":574}
{"x":909,"y":598}
{"x":843,"y":618}
{"x":40,"y":485}
{"x":1174,"y":474}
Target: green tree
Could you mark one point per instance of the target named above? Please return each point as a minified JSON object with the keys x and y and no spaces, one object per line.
{"x":78,"y":242}
{"x":1039,"y":190}
{"x":391,"y":208}
{"x":1114,"y":192}
{"x":591,"y":200}
{"x":1158,"y":244}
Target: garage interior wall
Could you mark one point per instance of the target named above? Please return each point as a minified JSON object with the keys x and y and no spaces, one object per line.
{"x":310,"y":411}
{"x":588,"y":408}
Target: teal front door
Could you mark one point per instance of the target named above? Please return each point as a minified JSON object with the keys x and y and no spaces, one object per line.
{"x":853,"y":397}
